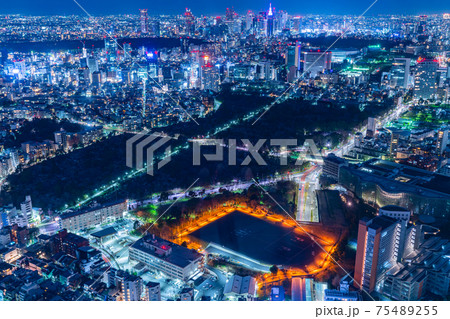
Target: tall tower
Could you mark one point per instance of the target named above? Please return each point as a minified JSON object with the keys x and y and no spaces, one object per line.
{"x":377,"y":250}
{"x":144,"y":96}
{"x":270,"y":21}
{"x":144,"y":20}
{"x":190,"y":22}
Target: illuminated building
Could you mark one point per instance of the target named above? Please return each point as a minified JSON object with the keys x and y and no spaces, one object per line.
{"x":187,"y":294}
{"x":425,"y":83}
{"x":61,"y":138}
{"x":380,"y":183}
{"x":270,"y":21}
{"x":405,"y":284}
{"x":442,"y":141}
{"x":130,"y":286}
{"x":400,"y":72}
{"x":377,"y":250}
{"x":338,"y":295}
{"x":343,"y":294}
{"x":92,"y":65}
{"x":110,"y":49}
{"x":27,"y":208}
{"x":189,"y":22}
{"x":20,"y":235}
{"x":425,"y":271}
{"x":173,"y":260}
{"x":249,"y":21}
{"x":144,"y":20}
{"x":240,"y":288}
{"x":316,"y":61}
{"x":396,"y":212}
{"x":84,"y":219}
{"x":68,"y":243}
{"x":277,"y":293}
{"x":332,"y":165}
{"x":152,"y":291}
{"x":210,"y":78}
{"x":371,"y":127}
{"x":293,"y":60}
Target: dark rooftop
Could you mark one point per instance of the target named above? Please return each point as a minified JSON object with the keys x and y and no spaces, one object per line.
{"x":382,"y":221}
{"x":394,"y":208}
{"x":104,"y":232}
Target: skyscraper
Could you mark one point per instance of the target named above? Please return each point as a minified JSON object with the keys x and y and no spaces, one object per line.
{"x":210,"y":78}
{"x":144,"y":20}
{"x":189,"y":22}
{"x":377,"y":250}
{"x":371,"y":127}
{"x":293,"y":61}
{"x":316,"y":62}
{"x":27,"y":208}
{"x":442,"y":140}
{"x":400,"y":72}
{"x":270,"y":21}
{"x":425,"y":83}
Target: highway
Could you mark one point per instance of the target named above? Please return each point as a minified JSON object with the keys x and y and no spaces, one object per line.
{"x":307,"y":203}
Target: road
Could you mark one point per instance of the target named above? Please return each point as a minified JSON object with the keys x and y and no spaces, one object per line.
{"x":307,"y":202}
{"x":232,"y":187}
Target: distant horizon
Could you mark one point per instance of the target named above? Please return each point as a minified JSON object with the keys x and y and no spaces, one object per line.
{"x":214,"y":14}
{"x":203,"y":7}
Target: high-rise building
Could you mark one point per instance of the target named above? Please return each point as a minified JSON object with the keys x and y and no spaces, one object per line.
{"x":27,"y":208}
{"x":332,"y":165}
{"x":189,"y":22}
{"x":155,"y":28}
{"x":210,"y":78}
{"x":110,"y":49}
{"x":292,"y":60}
{"x":144,"y":20}
{"x":316,"y":61}
{"x":371,"y":127}
{"x":425,"y":83}
{"x":249,"y":21}
{"x":377,"y":250}
{"x":92,"y":64}
{"x":296,"y":24}
{"x":152,"y":291}
{"x":130,"y":286}
{"x":61,"y":138}
{"x":400,"y":72}
{"x":396,"y":134}
{"x":442,"y":140}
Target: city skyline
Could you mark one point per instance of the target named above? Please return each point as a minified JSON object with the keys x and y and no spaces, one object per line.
{"x":237,"y":155}
{"x":327,"y":7}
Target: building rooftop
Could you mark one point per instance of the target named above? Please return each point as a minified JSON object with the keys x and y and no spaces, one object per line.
{"x":166,"y":250}
{"x":382,"y":222}
{"x":394,"y":208}
{"x":104,"y":232}
{"x":90,"y":209}
{"x":393,"y":177}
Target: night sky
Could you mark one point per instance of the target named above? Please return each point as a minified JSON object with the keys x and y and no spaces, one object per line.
{"x":104,"y":7}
